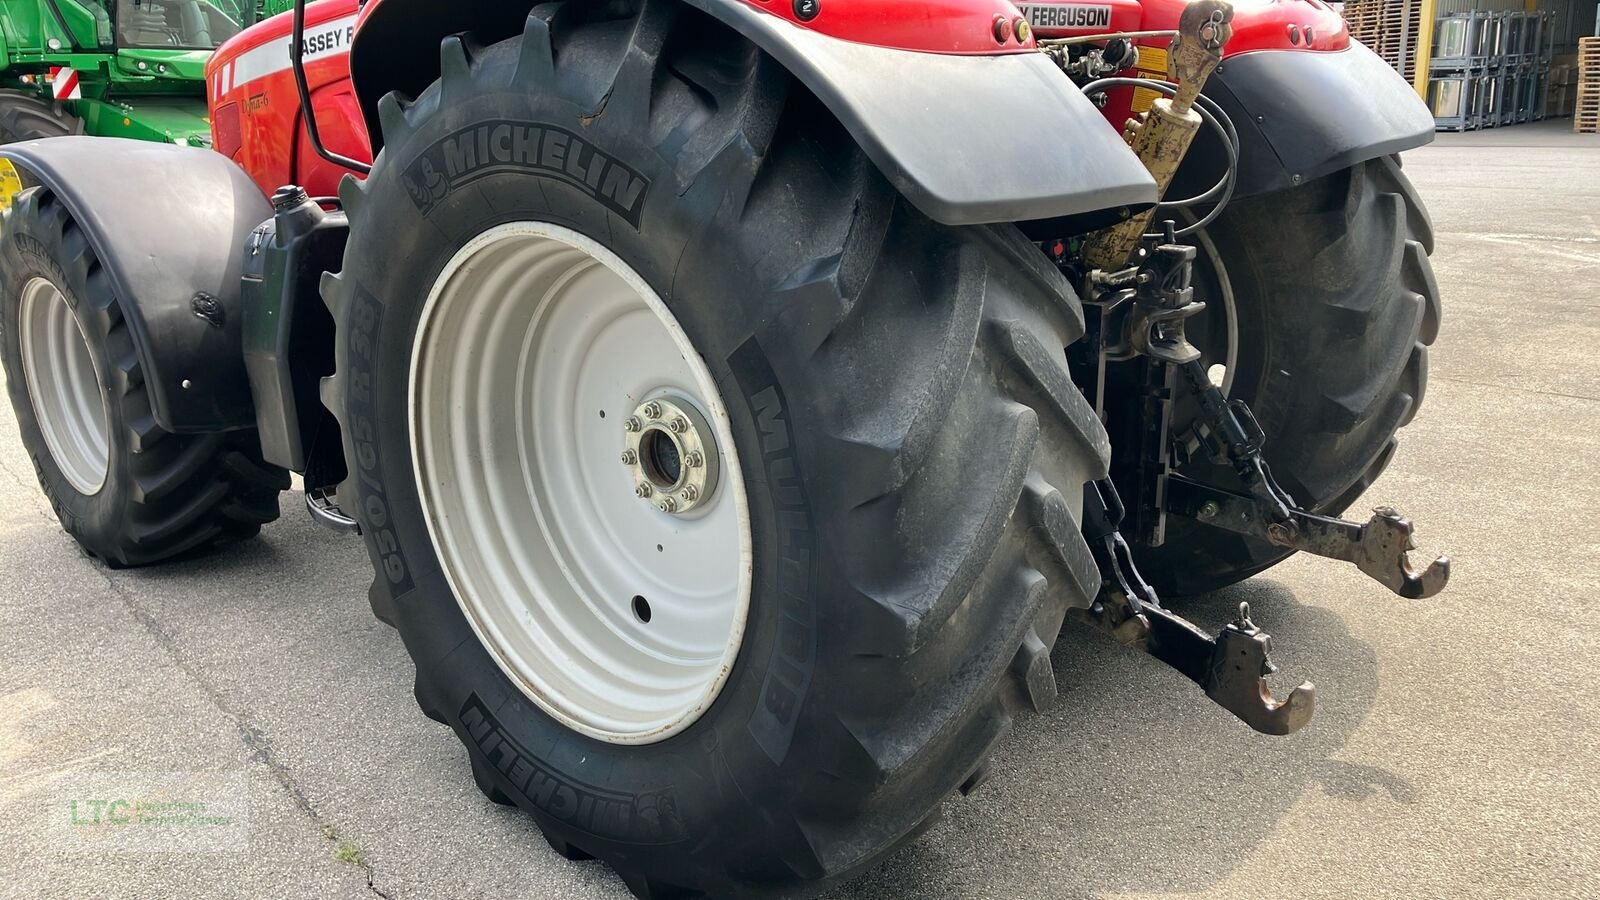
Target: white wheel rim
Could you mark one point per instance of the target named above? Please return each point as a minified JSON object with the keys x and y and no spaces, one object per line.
{"x":64,"y":385}
{"x":531,"y":332}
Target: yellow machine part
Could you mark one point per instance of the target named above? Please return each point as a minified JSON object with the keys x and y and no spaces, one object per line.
{"x":10,"y":184}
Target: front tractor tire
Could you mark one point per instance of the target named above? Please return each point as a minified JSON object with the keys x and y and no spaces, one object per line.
{"x":129,"y":492}
{"x":577,"y":238}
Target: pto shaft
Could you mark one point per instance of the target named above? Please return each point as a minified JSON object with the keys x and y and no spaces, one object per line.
{"x":1162,"y":136}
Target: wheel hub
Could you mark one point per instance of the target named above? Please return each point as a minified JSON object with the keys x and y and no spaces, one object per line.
{"x":671,"y":455}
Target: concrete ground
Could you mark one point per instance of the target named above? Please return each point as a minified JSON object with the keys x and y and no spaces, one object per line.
{"x":1454,"y":752}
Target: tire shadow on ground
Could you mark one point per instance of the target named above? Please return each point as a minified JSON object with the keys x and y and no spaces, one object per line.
{"x":1135,"y":783}
{"x":1132,"y":783}
{"x":293,"y":553}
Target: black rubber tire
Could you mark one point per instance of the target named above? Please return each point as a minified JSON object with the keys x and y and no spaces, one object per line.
{"x":165,"y":495}
{"x":24,"y":117}
{"x":1336,"y":305}
{"x":900,"y":400}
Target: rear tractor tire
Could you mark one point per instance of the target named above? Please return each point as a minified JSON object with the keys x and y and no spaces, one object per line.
{"x":595,"y":262}
{"x":1321,"y":305}
{"x":129,"y":492}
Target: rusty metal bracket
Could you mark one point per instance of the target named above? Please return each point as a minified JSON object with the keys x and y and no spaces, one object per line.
{"x":1162,"y":303}
{"x":1230,"y":667}
{"x":1380,"y":547}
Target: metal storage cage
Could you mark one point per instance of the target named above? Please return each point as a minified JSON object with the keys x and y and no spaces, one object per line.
{"x":1454,"y":101}
{"x":1489,"y":69}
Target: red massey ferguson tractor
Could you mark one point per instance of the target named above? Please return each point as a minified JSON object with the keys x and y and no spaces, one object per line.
{"x":738,"y":397}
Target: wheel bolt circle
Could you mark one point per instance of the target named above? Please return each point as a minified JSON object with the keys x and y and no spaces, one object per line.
{"x":678,"y":482}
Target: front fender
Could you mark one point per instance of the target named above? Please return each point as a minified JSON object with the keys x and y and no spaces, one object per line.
{"x":168,"y":223}
{"x":1302,"y":115}
{"x":969,"y":139}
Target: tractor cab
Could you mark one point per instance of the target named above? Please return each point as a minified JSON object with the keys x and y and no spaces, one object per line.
{"x":175,"y":24}
{"x":120,"y":68}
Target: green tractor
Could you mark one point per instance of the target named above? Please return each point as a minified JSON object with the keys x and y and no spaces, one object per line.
{"x":120,"y":68}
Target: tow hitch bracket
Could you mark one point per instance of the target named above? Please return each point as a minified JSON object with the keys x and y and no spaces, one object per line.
{"x":1231,"y":667}
{"x":1143,"y":311}
{"x":1141,"y":315}
{"x":1138,"y":296}
{"x":1381,"y":547}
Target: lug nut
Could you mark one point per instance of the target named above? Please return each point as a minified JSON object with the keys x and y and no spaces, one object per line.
{"x":642,"y":491}
{"x":694,"y":459}
{"x":667,"y":505}
{"x":632,"y":424}
{"x":629,"y":457}
{"x":691,"y":494}
{"x":652,"y":409}
{"x":679,"y":425}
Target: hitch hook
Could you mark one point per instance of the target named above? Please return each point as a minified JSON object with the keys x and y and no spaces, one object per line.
{"x":1381,"y":548}
{"x":1236,"y":682}
{"x":1231,"y":668}
{"x":1383,"y":552}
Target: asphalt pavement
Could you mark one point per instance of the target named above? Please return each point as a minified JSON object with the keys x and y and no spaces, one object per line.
{"x":1455,"y":751}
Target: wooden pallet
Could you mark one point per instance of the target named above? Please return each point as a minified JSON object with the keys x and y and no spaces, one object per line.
{"x":1365,"y":18}
{"x":1589,"y":59}
{"x":1586,"y":113}
{"x":1389,"y":28}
